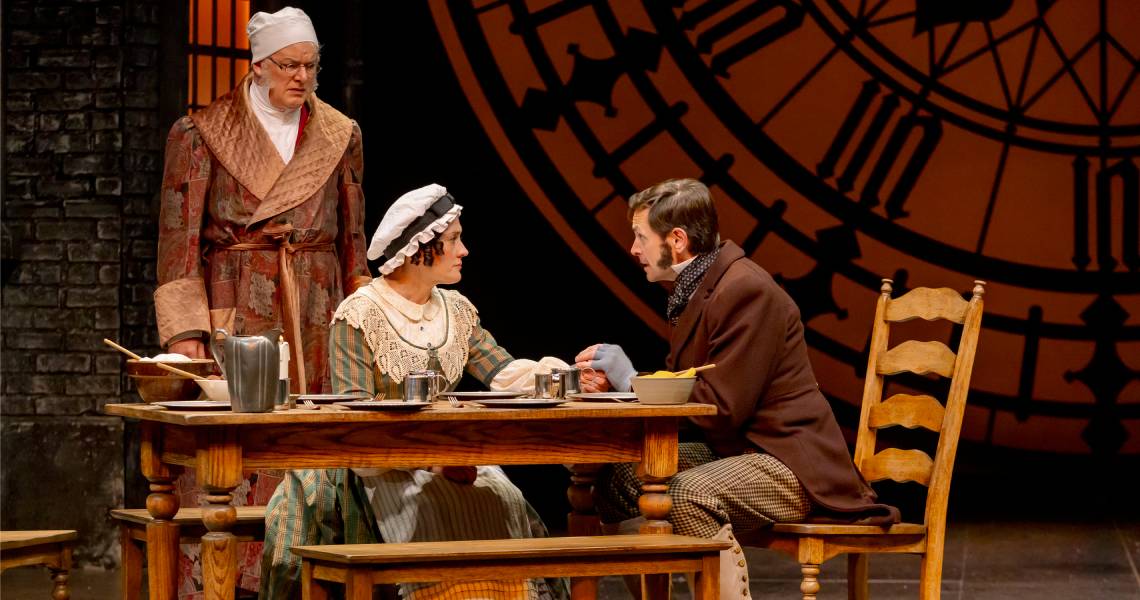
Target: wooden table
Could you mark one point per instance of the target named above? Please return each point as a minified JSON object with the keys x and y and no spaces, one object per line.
{"x":51,"y":549}
{"x":220,"y":445}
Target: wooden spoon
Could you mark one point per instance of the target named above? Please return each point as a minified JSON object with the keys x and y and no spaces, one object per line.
{"x":121,"y":349}
{"x":698,"y":369}
{"x":163,"y":366}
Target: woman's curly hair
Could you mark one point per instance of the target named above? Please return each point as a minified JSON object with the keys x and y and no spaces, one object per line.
{"x":428,"y":251}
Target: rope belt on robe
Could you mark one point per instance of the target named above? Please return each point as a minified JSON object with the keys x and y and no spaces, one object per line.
{"x":290,"y":301}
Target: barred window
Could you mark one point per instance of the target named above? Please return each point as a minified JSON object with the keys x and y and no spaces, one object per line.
{"x":218,"y":50}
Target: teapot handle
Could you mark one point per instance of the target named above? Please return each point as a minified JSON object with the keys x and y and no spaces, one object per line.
{"x":217,"y":351}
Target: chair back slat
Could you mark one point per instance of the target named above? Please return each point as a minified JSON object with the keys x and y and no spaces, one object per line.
{"x":930,"y":304}
{"x":908,"y":411}
{"x":899,"y":465}
{"x":917,"y":357}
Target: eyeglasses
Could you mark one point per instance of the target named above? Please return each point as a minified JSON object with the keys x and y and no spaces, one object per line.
{"x":292,"y":68}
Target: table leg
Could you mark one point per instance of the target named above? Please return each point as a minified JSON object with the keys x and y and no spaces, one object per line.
{"x":59,"y":590}
{"x":162,"y":533}
{"x":658,"y":466}
{"x":583,"y":520}
{"x":219,"y":468}
{"x":131,"y":564}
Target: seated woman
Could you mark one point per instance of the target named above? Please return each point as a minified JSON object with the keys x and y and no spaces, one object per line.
{"x":400,"y":323}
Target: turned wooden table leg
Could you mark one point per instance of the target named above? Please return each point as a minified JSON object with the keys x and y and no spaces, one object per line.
{"x":162,"y":532}
{"x":583,"y":520}
{"x":658,"y":466}
{"x":59,"y":589}
{"x":219,"y":468}
{"x":59,"y":572}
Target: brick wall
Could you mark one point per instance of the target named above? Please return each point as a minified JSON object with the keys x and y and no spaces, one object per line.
{"x":82,"y":163}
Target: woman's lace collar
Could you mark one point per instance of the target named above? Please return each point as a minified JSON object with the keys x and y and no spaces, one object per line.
{"x":410,"y":310}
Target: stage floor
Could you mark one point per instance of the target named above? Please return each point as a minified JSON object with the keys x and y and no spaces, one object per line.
{"x":984,"y":560}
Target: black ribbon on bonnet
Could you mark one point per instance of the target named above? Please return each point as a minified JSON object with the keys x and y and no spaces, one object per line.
{"x":435,"y":211}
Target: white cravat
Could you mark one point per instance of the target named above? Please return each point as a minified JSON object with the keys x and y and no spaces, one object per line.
{"x":280,"y":123}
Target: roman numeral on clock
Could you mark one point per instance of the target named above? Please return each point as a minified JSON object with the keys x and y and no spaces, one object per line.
{"x":928,"y":128}
{"x":1126,"y":172}
{"x":718,"y":20}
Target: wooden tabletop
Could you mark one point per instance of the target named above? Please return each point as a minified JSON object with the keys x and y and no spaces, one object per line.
{"x":609,"y":545}
{"x":188,"y":515}
{"x":439,"y":411}
{"x":10,"y":540}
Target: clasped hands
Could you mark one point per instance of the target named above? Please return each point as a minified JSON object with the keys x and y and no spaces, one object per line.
{"x":611,"y":368}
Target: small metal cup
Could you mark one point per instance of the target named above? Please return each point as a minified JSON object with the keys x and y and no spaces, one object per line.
{"x":422,"y":386}
{"x":283,"y":397}
{"x":569,"y":381}
{"x":544,"y":385}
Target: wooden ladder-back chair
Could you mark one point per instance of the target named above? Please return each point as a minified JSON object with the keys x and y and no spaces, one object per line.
{"x":812,"y":544}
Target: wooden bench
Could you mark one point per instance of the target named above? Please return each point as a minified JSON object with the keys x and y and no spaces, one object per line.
{"x":361,"y":566}
{"x":250,"y":527}
{"x":51,"y":549}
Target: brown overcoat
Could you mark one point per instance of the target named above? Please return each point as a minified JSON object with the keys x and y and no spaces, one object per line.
{"x":763,"y":387}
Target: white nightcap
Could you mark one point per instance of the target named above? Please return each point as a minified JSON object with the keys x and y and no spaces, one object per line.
{"x":270,"y":32}
{"x":414,"y":219}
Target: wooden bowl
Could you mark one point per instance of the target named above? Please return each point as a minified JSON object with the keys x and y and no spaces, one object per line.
{"x":157,"y":385}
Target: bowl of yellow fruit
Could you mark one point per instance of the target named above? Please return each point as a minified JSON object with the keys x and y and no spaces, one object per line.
{"x":664,"y":387}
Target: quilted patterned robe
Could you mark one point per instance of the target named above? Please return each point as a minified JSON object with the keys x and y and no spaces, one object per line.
{"x":225,"y":184}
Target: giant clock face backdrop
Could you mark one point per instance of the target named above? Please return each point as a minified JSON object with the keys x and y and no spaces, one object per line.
{"x":849,"y":140}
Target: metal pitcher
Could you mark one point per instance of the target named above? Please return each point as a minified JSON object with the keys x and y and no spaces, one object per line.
{"x":251,"y":366}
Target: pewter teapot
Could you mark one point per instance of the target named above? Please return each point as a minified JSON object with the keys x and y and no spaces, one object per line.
{"x":251,"y":366}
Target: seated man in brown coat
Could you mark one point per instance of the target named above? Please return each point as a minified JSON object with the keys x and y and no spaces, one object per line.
{"x":773,"y":452}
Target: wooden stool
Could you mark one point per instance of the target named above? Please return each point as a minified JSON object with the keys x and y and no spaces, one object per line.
{"x":250,"y":527}
{"x":51,"y":549}
{"x":361,"y":566}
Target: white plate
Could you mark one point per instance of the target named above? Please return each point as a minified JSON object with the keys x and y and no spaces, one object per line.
{"x":522,"y":403}
{"x":328,"y":398}
{"x":604,"y":396}
{"x":383,"y":405}
{"x":194,"y":405}
{"x":486,"y":395}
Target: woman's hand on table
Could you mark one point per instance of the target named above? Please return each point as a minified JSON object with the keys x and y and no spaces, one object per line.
{"x":592,"y":382}
{"x":609,"y":365}
{"x":460,"y":475}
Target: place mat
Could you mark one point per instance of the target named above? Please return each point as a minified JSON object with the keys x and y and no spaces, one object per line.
{"x":383,"y":405}
{"x":480,"y":396}
{"x":604,"y":396}
{"x":522,"y":403}
{"x":328,"y":398}
{"x":193,"y":405}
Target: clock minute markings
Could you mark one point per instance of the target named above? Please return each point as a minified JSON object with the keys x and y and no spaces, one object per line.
{"x":715,"y":21}
{"x":930,"y":133}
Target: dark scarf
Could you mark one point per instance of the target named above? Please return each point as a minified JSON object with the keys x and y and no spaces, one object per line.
{"x":687,"y":282}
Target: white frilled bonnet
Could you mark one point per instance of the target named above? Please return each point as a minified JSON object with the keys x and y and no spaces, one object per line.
{"x":414,"y":219}
{"x":270,"y":32}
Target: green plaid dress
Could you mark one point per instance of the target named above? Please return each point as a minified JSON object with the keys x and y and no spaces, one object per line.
{"x":332,"y":506}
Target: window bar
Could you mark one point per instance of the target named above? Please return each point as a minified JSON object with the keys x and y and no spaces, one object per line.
{"x":233,"y":42}
{"x":214,"y":58}
{"x":193,"y":56}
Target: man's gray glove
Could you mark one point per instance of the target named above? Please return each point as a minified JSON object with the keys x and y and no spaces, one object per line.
{"x":617,"y":366}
